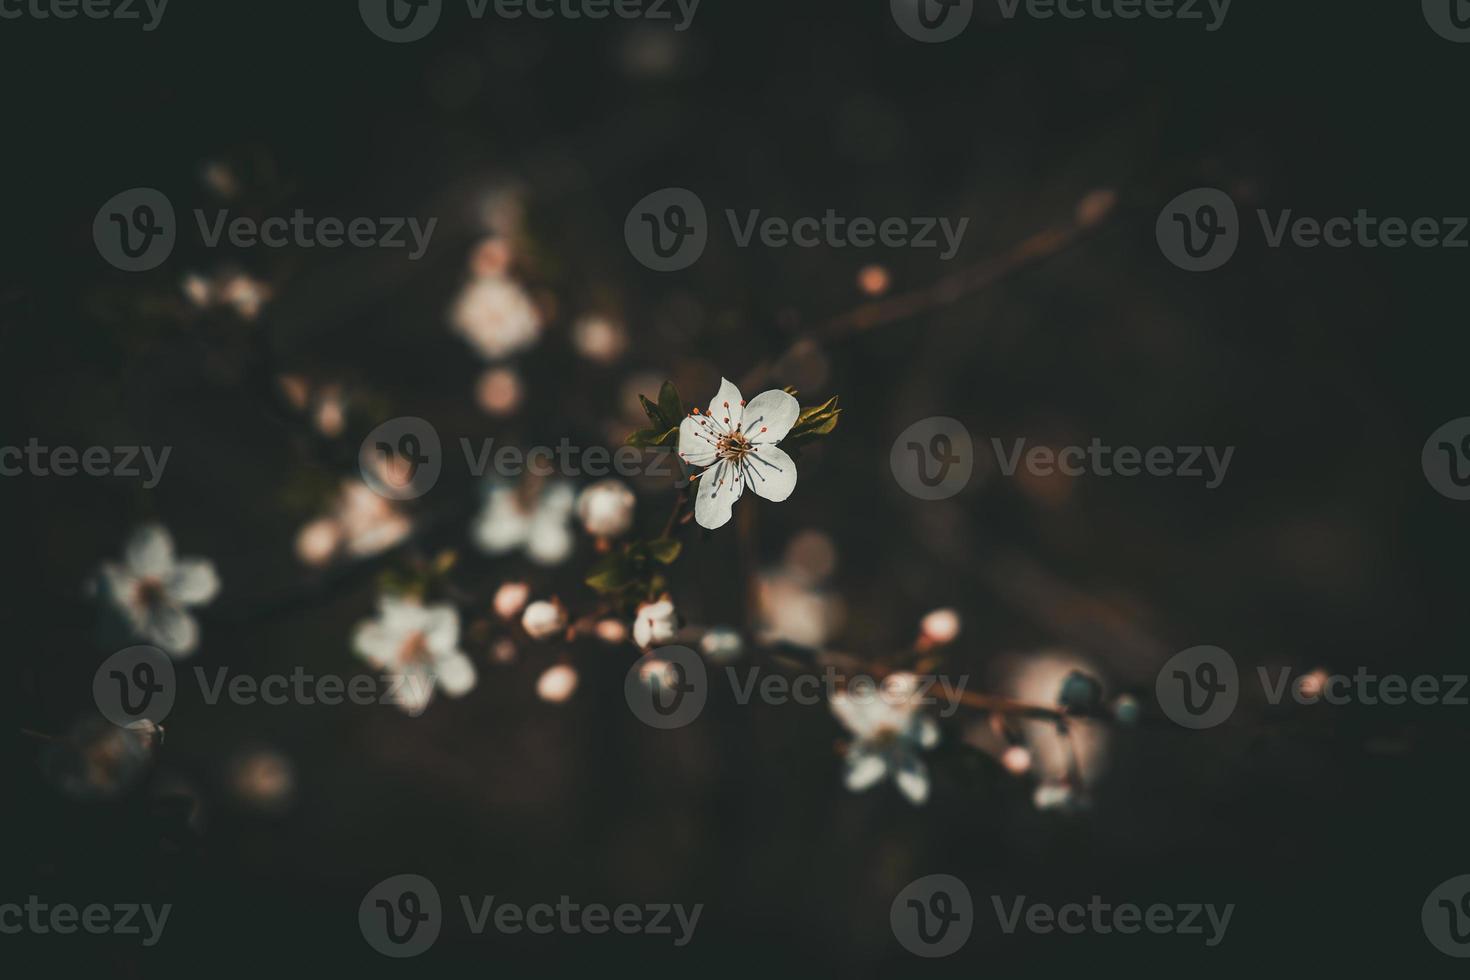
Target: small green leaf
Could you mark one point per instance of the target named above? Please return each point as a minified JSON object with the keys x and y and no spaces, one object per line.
{"x":813,"y":422}
{"x":665,"y":551}
{"x":670,"y":405}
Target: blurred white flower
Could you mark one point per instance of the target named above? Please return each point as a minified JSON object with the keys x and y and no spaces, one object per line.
{"x":544,"y":619}
{"x":888,"y":733}
{"x":419,"y":646}
{"x":939,"y":627}
{"x":540,"y":527}
{"x":1016,"y":759}
{"x":491,"y":258}
{"x":510,"y":599}
{"x":1056,"y":796}
{"x":722,"y":643}
{"x":152,"y":589}
{"x":791,"y":611}
{"x":496,"y":316}
{"x":655,"y":623}
{"x":362,"y":524}
{"x":499,"y":391}
{"x":737,"y":444}
{"x":97,"y":759}
{"x":606,"y":508}
{"x":611,"y":631}
{"x":264,"y":780}
{"x":599,"y":339}
{"x":557,"y":684}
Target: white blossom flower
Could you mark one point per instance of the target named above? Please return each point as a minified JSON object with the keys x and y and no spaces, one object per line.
{"x":361,"y":524}
{"x":153,"y":589}
{"x":722,"y":643}
{"x":606,"y":508}
{"x":940,"y":627}
{"x":419,"y":645}
{"x":496,"y":316}
{"x":655,"y":623}
{"x":541,"y":527}
{"x":510,"y":599}
{"x":735,"y":444}
{"x":544,"y":619}
{"x":557,"y":683}
{"x":888,"y":733}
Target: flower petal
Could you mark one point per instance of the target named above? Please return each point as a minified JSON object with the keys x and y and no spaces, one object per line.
{"x":912,"y":777}
{"x":193,"y":582}
{"x":455,"y":673}
{"x":728,"y":407}
{"x":441,"y":630}
{"x":717,"y":492}
{"x":864,"y":769}
{"x":770,"y":472}
{"x":150,"y":551}
{"x":770,"y":415}
{"x":855,"y":713}
{"x":373,"y":642}
{"x":171,"y":629}
{"x":697,"y":436}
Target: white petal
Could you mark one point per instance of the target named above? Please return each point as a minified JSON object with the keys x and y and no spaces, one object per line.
{"x":856,"y":714}
{"x":770,"y":472}
{"x":770,"y":415}
{"x":912,"y":777}
{"x":455,"y":673}
{"x":411,"y":690}
{"x":373,"y":642}
{"x":171,"y":629}
{"x":550,"y":542}
{"x":193,"y":582}
{"x":150,"y":551}
{"x":502,"y":526}
{"x":863,"y":770}
{"x":717,"y":492}
{"x":727,"y":407}
{"x":697,"y":437}
{"x":441,"y":629}
{"x":642,"y":631}
{"x":927,"y":731}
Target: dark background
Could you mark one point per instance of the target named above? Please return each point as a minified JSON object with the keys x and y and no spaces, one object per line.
{"x":1325,"y":547}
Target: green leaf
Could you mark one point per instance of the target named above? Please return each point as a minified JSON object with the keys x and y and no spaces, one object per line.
{"x":664,"y":416}
{"x":611,"y":575}
{"x":814,"y":422}
{"x":670,"y":405}
{"x":665,"y":551}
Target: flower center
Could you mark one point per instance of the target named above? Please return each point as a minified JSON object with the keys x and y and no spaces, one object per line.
{"x":733,"y":446}
{"x":148,"y":593}
{"x":415,"y":649}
